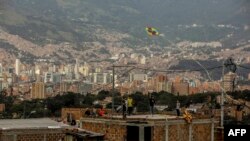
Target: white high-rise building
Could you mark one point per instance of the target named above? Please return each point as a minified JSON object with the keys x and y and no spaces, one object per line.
{"x":77,"y":70}
{"x":54,"y":68}
{"x":143,"y":60}
{"x":17,"y":67}
{"x":48,"y":77}
{"x":84,"y":70}
{"x":1,"y":69}
{"x":139,"y":76}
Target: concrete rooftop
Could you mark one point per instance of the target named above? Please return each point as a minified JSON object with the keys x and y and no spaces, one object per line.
{"x":37,"y":123}
{"x":148,"y":116}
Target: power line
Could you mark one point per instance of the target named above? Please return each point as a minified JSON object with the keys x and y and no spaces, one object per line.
{"x":178,"y":71}
{"x":154,"y":70}
{"x":121,"y":75}
{"x":244,"y":67}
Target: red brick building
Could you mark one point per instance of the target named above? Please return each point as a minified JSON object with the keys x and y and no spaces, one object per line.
{"x":181,"y":88}
{"x":156,"y":128}
{"x":2,"y":107}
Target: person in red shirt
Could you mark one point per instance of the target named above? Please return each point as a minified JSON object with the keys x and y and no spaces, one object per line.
{"x":101,"y":112}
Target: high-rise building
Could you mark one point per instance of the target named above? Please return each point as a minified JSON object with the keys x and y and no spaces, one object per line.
{"x":1,"y":85}
{"x":164,"y":86}
{"x":17,"y":67}
{"x":161,"y":78}
{"x":48,"y":77}
{"x":76,"y":70}
{"x":107,"y":78}
{"x":181,"y":88}
{"x":139,"y":76}
{"x":54,"y":68}
{"x":161,"y":83}
{"x":1,"y":77}
{"x":57,"y":78}
{"x":98,"y":69}
{"x":101,"y":78}
{"x":84,"y":70}
{"x":143,"y":60}
{"x":1,"y":69}
{"x":63,"y":87}
{"x":229,"y":81}
{"x":38,"y":90}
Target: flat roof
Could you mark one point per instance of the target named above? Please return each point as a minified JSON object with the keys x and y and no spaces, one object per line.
{"x":82,"y":132}
{"x":146,"y":120}
{"x":148,"y":116}
{"x":36,"y":123}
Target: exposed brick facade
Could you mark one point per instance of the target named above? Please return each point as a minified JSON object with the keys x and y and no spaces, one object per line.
{"x":112,"y":130}
{"x":158,"y":132}
{"x":31,"y":135}
{"x":2,"y":107}
{"x":116,"y":130}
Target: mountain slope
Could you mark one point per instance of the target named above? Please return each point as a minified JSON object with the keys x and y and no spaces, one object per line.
{"x":46,"y":21}
{"x":97,"y":29}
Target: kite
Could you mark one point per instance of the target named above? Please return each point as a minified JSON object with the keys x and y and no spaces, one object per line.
{"x":187,"y":116}
{"x":152,"y":31}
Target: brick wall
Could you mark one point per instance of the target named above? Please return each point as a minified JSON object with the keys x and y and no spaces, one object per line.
{"x":39,"y":137}
{"x":158,"y":133}
{"x":31,"y":135}
{"x":202,"y":132}
{"x":112,"y":131}
{"x":180,"y":132}
{"x":116,"y":130}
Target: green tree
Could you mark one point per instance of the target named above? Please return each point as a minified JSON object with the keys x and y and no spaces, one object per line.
{"x":103,"y":94}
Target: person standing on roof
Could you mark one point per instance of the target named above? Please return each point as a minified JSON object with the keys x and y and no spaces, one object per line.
{"x":151,"y":104}
{"x":124,"y":107}
{"x":178,"y":113}
{"x":130,"y":105}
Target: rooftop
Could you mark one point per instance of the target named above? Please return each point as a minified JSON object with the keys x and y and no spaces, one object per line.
{"x":38,"y":123}
{"x":147,"y":120}
{"x":147,"y":116}
{"x":82,"y":133}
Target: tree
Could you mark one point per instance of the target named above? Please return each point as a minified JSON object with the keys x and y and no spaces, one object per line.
{"x":103,"y":94}
{"x":140,"y":101}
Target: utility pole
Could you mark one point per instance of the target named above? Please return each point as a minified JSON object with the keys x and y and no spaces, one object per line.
{"x":222,"y":95}
{"x":24,"y":109}
{"x":229,"y":64}
{"x":113,"y":88}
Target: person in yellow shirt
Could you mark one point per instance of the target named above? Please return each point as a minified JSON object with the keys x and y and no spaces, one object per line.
{"x":130,"y":105}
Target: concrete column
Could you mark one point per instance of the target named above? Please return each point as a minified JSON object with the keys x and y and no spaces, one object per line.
{"x":80,"y":124}
{"x":15,"y":137}
{"x":190,"y":133}
{"x":212,"y":130}
{"x":178,"y":132}
{"x":44,"y":137}
{"x":166,"y":131}
{"x":141,"y":133}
